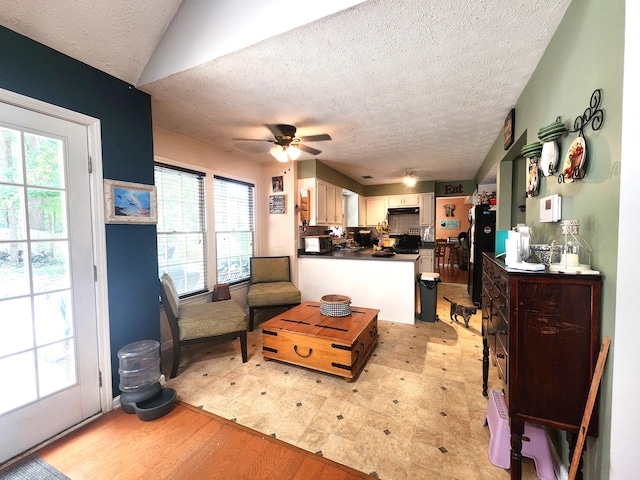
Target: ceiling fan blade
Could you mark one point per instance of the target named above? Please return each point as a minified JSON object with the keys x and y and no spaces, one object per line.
{"x":255,"y":139}
{"x":315,"y":138}
{"x":274,"y":129}
{"x":307,"y":149}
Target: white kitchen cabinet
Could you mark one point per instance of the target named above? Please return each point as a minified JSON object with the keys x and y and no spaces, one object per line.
{"x":325,"y":202}
{"x":376,"y":208}
{"x":334,"y":205}
{"x":426,"y":260}
{"x":339,"y":212}
{"x":331,"y":204}
{"x":362,"y":212}
{"x":321,"y":203}
{"x":426,"y":209}
{"x":403,"y":201}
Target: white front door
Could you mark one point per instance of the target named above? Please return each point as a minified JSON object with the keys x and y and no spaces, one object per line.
{"x":48,"y":328}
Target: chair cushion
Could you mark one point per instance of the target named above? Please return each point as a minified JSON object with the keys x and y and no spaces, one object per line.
{"x":270,"y":269}
{"x":172,"y":293}
{"x":201,"y":320}
{"x":274,"y":293}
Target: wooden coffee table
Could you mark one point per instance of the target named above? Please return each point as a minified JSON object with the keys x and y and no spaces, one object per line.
{"x":336,"y":345}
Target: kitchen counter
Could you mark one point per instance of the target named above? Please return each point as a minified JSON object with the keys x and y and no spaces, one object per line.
{"x":361,"y":254}
{"x":384,"y":283}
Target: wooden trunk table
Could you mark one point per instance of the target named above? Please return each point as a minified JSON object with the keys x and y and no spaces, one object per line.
{"x":337,"y":345}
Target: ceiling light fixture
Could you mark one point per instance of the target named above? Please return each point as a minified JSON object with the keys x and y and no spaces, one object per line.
{"x":293,"y":152}
{"x":409,"y":180}
{"x":285,"y":153}
{"x":279,"y":153}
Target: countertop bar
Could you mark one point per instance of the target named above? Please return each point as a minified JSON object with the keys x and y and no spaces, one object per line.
{"x":361,"y":254}
{"x":385,"y":284}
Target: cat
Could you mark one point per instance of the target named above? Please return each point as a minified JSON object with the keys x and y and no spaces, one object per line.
{"x":464,"y":312}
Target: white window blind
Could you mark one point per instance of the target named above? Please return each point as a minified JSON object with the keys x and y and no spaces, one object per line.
{"x":182,"y":228}
{"x":235,"y":226}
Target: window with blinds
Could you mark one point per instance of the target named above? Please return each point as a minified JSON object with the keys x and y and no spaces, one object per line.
{"x":182,"y":249}
{"x":233,"y":202}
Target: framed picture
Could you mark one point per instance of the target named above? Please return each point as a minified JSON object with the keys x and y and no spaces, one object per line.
{"x":127,"y":202}
{"x":509,"y":132}
{"x":277,"y":204}
{"x":450,"y":224}
{"x":277,"y":183}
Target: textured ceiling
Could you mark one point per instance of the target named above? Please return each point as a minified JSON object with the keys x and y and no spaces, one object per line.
{"x":400,"y":85}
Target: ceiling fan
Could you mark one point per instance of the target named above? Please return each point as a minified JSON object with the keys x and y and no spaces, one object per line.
{"x":286,"y":145}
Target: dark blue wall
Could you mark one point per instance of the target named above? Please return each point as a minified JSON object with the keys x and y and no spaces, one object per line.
{"x":36,"y":71}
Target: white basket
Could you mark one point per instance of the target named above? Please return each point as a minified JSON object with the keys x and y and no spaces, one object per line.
{"x":335,"y":305}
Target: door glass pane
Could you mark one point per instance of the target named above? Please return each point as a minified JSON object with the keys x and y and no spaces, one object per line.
{"x":53,"y":317}
{"x":10,"y":156}
{"x":37,"y":345}
{"x":15,"y":322}
{"x":14,"y":272}
{"x":50,"y":264}
{"x":44,"y":159}
{"x":47,"y":214}
{"x":18,"y":371}
{"x":56,"y":367}
{"x":12,"y":217}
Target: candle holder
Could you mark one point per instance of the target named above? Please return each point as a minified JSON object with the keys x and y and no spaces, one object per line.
{"x":575,"y":251}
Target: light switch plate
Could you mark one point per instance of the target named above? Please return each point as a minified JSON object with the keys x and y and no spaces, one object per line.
{"x":551,"y":208}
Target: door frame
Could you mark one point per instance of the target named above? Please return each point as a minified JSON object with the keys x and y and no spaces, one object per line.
{"x":94,"y":142}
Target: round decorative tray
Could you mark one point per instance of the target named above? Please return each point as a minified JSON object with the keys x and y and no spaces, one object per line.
{"x":335,"y":305}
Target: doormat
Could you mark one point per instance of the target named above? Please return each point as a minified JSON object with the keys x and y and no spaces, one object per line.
{"x":32,"y":468}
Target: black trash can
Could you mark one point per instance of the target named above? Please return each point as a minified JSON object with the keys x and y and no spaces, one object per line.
{"x":428,"y":296}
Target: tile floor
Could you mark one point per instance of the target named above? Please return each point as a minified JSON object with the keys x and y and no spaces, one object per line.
{"x":415,"y":411}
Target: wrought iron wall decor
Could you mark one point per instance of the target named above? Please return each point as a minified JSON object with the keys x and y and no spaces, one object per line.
{"x":575,"y":166}
{"x":593,"y":114}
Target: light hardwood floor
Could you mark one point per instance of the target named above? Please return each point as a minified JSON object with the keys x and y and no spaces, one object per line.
{"x":187,"y":443}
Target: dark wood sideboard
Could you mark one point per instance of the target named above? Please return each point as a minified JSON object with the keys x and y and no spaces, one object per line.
{"x":542,"y":332}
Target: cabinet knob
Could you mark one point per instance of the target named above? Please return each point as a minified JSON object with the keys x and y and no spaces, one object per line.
{"x":500,"y":355}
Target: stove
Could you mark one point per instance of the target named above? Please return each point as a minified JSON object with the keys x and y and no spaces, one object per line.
{"x":406,"y":250}
{"x":407,"y":243}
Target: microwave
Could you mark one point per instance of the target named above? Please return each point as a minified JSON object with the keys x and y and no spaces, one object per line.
{"x":317,"y":244}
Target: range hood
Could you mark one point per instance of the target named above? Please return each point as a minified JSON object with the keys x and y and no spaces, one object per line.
{"x":404,"y":211}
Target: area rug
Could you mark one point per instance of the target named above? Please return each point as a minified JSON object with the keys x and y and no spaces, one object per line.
{"x":32,"y":468}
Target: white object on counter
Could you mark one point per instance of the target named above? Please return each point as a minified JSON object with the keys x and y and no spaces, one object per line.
{"x":569,"y":260}
{"x":512,"y":250}
{"x":525,"y":267}
{"x":573,"y":270}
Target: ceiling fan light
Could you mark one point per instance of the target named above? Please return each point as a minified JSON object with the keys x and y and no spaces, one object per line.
{"x":293,"y":152}
{"x":279,"y":153}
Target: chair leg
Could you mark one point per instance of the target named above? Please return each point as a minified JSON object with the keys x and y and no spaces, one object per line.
{"x":251,"y":314}
{"x":243,"y":345}
{"x":176,"y":359}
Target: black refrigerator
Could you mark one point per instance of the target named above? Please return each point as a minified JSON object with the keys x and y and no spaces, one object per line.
{"x":482,"y":238}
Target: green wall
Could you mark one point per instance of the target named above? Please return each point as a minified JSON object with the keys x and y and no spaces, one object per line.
{"x":317,"y":169}
{"x":586,"y":53}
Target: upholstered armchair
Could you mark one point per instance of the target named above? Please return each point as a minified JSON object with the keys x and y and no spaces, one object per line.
{"x":201,"y":322}
{"x":270,"y":285}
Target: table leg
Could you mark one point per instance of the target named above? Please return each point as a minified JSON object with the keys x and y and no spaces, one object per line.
{"x":485,"y":363}
{"x":517,"y":430}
